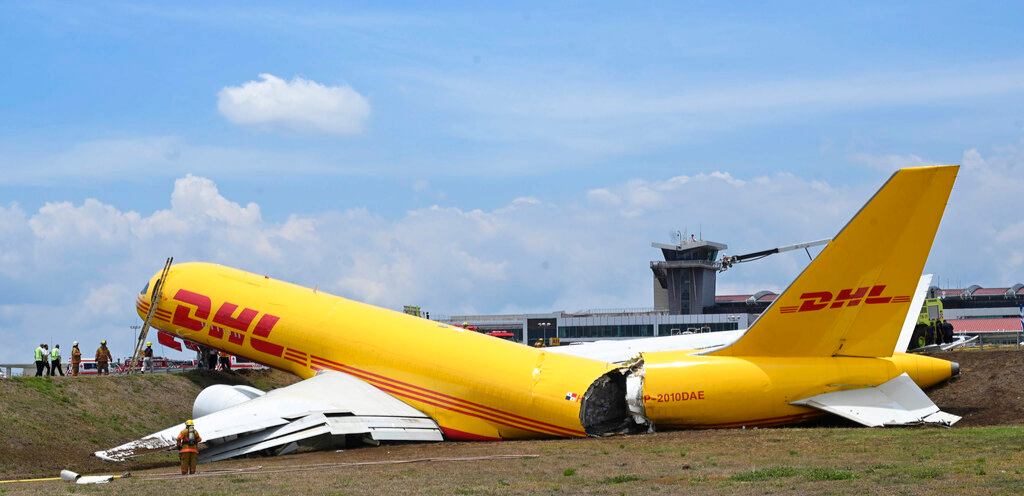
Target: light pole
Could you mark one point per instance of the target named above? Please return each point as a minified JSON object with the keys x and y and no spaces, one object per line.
{"x":135,"y":340}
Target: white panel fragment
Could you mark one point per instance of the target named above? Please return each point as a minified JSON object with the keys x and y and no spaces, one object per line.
{"x":897,"y":402}
{"x":330,"y":403}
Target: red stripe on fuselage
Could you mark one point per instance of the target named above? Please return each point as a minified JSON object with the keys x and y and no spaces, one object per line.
{"x":437,"y":399}
{"x":458,"y":435}
{"x":468,"y":403}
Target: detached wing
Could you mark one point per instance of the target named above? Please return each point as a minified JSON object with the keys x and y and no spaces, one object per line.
{"x":329,"y":404}
{"x":897,"y":402}
{"x":622,"y":350}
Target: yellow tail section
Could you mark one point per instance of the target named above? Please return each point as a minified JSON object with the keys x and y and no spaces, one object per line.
{"x":852,"y":299}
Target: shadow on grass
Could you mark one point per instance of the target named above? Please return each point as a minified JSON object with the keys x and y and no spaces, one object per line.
{"x":205,"y":378}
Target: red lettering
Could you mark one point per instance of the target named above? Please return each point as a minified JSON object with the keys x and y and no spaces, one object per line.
{"x":181,"y":312}
{"x":700,"y":395}
{"x":225,"y":317}
{"x":265,"y":325}
{"x":822,"y":298}
{"x":216,"y":332}
{"x":874,"y":297}
{"x":236,"y":338}
{"x":847,"y":295}
{"x":266,"y":347}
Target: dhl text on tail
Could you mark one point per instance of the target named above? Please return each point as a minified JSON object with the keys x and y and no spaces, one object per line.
{"x":827,"y":344}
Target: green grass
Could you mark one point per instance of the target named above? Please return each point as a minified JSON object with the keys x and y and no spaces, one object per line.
{"x":811,"y":474}
{"x":765,"y":474}
{"x":568,"y":472}
{"x":925,"y":472}
{"x":827,"y":474}
{"x":619,"y":479}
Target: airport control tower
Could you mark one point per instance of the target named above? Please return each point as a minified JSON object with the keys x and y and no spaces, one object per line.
{"x":685,"y":282}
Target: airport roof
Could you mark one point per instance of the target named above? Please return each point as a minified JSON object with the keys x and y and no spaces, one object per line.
{"x":760,"y":297}
{"x":986,"y":325}
{"x":975,"y":291}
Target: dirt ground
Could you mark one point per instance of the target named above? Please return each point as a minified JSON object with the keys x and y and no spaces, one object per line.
{"x":988,"y":390}
{"x":983,"y":454}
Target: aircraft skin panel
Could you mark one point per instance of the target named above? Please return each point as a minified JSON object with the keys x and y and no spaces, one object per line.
{"x":687,"y":391}
{"x":896,"y":402}
{"x":857,"y":291}
{"x":468,"y":382}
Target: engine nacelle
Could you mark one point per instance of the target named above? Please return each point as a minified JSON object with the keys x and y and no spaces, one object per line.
{"x":220,"y":396}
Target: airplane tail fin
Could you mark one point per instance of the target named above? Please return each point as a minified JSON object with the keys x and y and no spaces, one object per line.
{"x":853,"y":298}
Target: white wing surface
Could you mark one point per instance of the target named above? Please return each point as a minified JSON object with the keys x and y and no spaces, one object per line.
{"x":618,"y":351}
{"x":329,"y":404}
{"x":896,"y":402}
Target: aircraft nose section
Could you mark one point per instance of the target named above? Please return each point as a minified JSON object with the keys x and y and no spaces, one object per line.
{"x":954,"y":369}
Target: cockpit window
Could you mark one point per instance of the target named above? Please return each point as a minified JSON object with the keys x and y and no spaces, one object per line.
{"x":145,"y":289}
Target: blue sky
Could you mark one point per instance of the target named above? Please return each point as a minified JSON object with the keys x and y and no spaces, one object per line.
{"x":488,"y":159}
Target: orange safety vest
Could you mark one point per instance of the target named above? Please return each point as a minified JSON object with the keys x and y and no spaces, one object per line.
{"x":103,"y":354}
{"x":186,"y":445}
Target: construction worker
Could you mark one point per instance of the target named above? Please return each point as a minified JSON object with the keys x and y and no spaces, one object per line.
{"x":188,"y":447}
{"x":147,"y":361}
{"x":103,"y":359}
{"x":46,"y":359}
{"x":947,"y":331}
{"x":76,"y":358}
{"x":225,"y":361}
{"x":40,"y":360}
{"x":55,"y":365}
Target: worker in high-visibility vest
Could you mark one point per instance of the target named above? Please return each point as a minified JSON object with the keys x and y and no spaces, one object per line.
{"x":147,"y":360}
{"x":76,"y":358}
{"x":46,"y":359}
{"x":225,"y":361}
{"x":40,"y":360}
{"x":103,"y":359}
{"x":55,"y":365}
{"x":188,"y":447}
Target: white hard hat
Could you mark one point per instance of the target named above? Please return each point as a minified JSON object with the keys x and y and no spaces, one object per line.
{"x":75,"y":343}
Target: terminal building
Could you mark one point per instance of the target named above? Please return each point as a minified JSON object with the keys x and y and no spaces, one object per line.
{"x":685,"y":301}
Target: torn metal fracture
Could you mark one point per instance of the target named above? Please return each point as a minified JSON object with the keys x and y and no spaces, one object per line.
{"x":610,"y":406}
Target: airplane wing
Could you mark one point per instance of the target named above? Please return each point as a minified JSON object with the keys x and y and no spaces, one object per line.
{"x":326,"y":405}
{"x":896,"y":402}
{"x":618,"y":351}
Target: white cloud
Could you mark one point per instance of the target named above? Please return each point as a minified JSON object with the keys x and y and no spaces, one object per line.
{"x":299,"y":104}
{"x":892,"y":162}
{"x":533,"y":254}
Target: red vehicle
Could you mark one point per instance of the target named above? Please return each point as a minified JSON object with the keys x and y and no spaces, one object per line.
{"x":508,"y":336}
{"x":161,"y":365}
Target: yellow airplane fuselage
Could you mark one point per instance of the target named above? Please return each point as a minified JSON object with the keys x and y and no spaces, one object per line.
{"x":477,"y":387}
{"x":686,"y":391}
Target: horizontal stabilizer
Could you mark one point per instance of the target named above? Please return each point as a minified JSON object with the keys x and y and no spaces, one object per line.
{"x":328,"y":404}
{"x":897,"y":402}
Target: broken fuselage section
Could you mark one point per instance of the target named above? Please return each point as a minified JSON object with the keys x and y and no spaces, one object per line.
{"x":684,"y":390}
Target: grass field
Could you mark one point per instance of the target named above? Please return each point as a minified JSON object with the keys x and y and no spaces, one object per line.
{"x":54,"y":424}
{"x":802,"y":460}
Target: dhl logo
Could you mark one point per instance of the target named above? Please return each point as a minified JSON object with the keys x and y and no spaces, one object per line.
{"x":228,"y":321}
{"x":849,"y":297}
